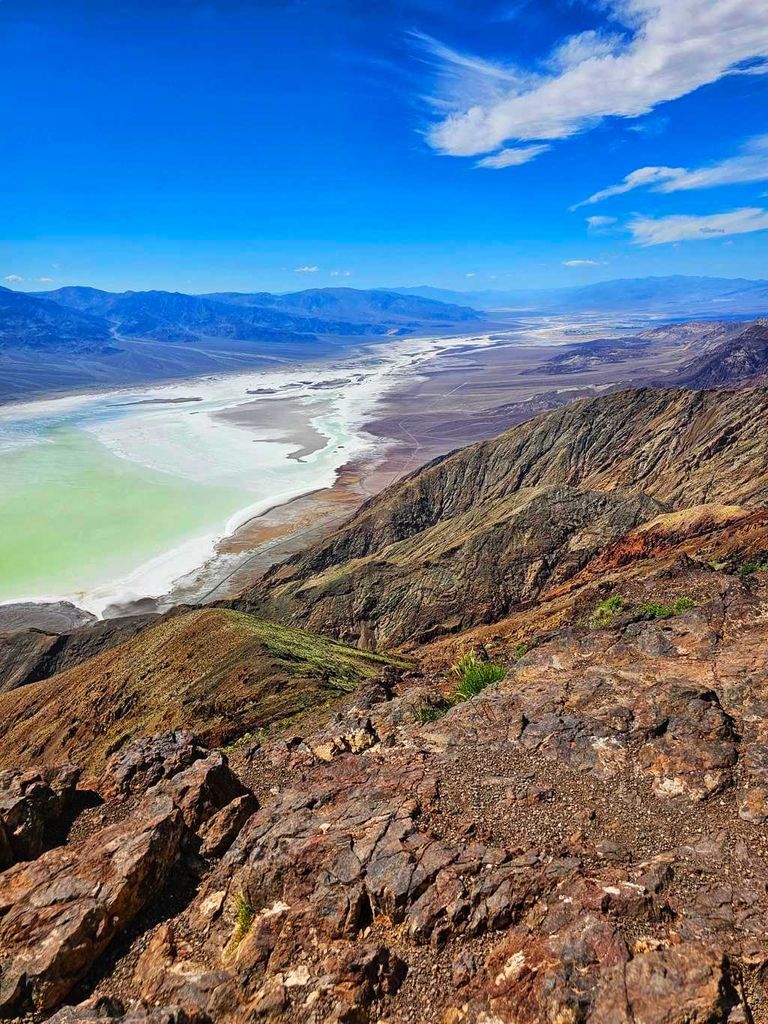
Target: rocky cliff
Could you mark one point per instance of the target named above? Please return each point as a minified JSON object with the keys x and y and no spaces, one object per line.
{"x":462,"y":540}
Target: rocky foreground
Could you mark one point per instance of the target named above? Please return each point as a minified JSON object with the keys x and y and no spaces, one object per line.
{"x":583,"y":839}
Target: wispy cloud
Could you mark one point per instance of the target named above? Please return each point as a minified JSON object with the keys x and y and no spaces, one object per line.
{"x":13,"y":278}
{"x":340,"y":273}
{"x":682,"y":227}
{"x":641,"y":178}
{"x":511,"y":157}
{"x":670,"y":48}
{"x":750,"y":165}
{"x":583,"y":263}
{"x":45,"y":280}
{"x":600,"y":224}
{"x":306,"y":270}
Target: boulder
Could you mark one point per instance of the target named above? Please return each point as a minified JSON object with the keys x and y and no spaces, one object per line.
{"x":147,"y":760}
{"x":34,"y":806}
{"x":59,"y":913}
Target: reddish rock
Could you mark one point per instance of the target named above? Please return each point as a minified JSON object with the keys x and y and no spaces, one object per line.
{"x":219,"y":832}
{"x":33,"y":808}
{"x":147,"y":760}
{"x":59,"y":913}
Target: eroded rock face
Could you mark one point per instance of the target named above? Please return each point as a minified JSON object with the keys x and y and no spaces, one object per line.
{"x":565,"y":847}
{"x":33,"y":809}
{"x":147,"y":760}
{"x":60,"y":912}
{"x":467,"y":569}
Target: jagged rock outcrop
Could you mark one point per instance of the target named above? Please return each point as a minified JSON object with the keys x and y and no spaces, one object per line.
{"x":34,"y":809}
{"x":569,"y":846}
{"x":59,"y":913}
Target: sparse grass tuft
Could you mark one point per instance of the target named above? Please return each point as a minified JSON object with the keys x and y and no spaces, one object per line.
{"x":519,"y":651}
{"x":245,"y":914}
{"x":474,"y":675}
{"x":431,"y":712}
{"x":606,"y":612}
{"x":667,"y":611}
{"x":750,"y":568}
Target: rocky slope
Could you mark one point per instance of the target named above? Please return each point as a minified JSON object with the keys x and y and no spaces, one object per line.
{"x":462,"y":540}
{"x":737,"y":361}
{"x":580,"y":840}
{"x":226,"y":672}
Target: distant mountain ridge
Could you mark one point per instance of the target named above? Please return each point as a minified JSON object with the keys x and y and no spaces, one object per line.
{"x":176,"y":316}
{"x":676,"y":295}
{"x":42,"y":323}
{"x":93,"y":337}
{"x":736,"y":362}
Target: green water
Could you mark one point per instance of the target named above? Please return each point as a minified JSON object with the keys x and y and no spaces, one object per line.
{"x":72,"y":515}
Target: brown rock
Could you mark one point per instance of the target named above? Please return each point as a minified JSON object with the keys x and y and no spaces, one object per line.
{"x":147,"y":760}
{"x":58,"y":913}
{"x":219,"y":832}
{"x":114,"y":1010}
{"x":33,"y":810}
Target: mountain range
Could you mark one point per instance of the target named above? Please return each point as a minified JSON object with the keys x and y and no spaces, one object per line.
{"x":667,"y":296}
{"x":93,"y":337}
{"x":174,"y":316}
{"x":492,"y":750}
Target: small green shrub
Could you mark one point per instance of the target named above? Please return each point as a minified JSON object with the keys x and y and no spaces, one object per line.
{"x":750,"y":568}
{"x":667,"y":611}
{"x":244,"y":915}
{"x":606,"y":612}
{"x":431,"y":712}
{"x":474,"y":675}
{"x":519,"y":651}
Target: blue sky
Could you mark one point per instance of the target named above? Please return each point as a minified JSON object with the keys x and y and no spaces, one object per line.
{"x":209,"y":144}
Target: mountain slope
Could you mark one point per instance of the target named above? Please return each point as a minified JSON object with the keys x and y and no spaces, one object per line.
{"x":222,"y":672}
{"x":38,"y":324}
{"x":492,"y":525}
{"x":370,"y":306}
{"x":174,"y":316}
{"x":734,"y":362}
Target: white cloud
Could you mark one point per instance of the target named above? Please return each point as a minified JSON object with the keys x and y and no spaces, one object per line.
{"x":511,"y":157}
{"x":750,"y":165}
{"x":637,"y":179}
{"x":306,"y":270}
{"x":681,"y":227}
{"x":600,"y":223}
{"x":340,"y":273}
{"x":13,"y":278}
{"x":45,"y":280}
{"x":583,"y":263}
{"x":673,"y":47}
